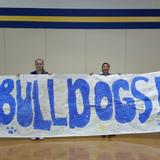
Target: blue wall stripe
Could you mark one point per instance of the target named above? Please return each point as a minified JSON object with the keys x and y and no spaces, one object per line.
{"x":61,"y":25}
{"x":79,"y":12}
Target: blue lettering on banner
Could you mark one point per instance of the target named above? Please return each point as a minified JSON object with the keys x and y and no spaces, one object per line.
{"x":6,"y":88}
{"x":147,"y":101}
{"x":157,"y":82}
{"x":27,"y":108}
{"x":123,"y":112}
{"x":103,"y":90}
{"x":39,"y":122}
{"x":24,"y":106}
{"x":76,"y":119}
{"x":56,"y":121}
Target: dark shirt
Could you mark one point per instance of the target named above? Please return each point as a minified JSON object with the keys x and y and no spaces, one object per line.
{"x":35,"y":72}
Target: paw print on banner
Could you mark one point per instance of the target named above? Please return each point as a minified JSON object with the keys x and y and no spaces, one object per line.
{"x":11,"y":130}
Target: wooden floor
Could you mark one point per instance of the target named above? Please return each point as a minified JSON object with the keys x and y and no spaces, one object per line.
{"x":124,"y":147}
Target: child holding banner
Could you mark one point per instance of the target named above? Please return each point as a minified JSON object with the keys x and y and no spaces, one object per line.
{"x":39,"y":65}
{"x":105,"y":69}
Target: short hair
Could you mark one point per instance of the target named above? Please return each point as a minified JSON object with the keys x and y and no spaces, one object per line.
{"x":105,"y":63}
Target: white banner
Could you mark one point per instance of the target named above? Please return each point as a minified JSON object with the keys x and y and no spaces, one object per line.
{"x":79,"y":105}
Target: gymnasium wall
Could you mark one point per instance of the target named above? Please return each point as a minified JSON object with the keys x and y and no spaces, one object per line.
{"x":79,"y":50}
